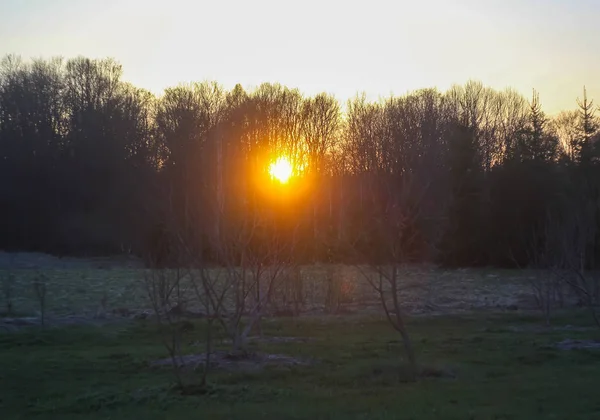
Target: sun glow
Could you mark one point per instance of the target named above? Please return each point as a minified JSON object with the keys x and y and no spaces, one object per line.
{"x":281,"y":170}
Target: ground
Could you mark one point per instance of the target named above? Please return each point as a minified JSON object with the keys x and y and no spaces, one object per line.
{"x":484,"y":355}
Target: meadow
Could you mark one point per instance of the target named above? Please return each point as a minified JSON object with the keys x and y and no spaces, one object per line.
{"x":484,"y":352}
{"x":87,"y":288}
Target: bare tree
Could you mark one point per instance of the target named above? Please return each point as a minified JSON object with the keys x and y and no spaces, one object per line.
{"x":572,"y":237}
{"x":564,"y":126}
{"x":545,"y":283}
{"x":320,"y":124}
{"x":494,"y":117}
{"x":161,"y":285}
{"x":394,"y":209}
{"x":321,"y":120}
{"x":254,"y":255}
{"x":397,"y":205}
{"x":396,"y":147}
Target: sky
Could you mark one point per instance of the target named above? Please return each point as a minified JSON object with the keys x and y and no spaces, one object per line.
{"x":337,"y":46}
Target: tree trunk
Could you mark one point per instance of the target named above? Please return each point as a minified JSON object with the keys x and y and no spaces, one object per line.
{"x":410,"y":353}
{"x":401,"y":327}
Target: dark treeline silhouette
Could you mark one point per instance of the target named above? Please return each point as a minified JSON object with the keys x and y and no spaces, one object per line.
{"x":90,"y":164}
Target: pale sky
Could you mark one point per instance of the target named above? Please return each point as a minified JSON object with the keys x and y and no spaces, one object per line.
{"x":337,"y":46}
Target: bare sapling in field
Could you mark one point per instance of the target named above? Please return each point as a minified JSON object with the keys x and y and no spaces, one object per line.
{"x":210,"y":288}
{"x":546,"y":285}
{"x":403,"y":194}
{"x":291,"y":299}
{"x":39,"y":285}
{"x":333,"y":294}
{"x":171,"y":290}
{"x":253,"y":257}
{"x":396,"y":211}
{"x":573,"y":235}
{"x":8,"y":284}
{"x":340,"y":289}
{"x":161,"y":286}
{"x":204,"y":283}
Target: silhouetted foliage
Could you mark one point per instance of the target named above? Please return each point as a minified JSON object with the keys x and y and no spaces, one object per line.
{"x":92,"y":165}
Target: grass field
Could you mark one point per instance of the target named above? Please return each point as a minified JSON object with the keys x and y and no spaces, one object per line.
{"x":485,"y":353}
{"x":80,"y":290}
{"x":488,"y":369}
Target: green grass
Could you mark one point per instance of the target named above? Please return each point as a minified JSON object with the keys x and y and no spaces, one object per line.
{"x":103,"y":373}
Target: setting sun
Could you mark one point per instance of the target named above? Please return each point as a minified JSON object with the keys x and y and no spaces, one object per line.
{"x":281,"y":170}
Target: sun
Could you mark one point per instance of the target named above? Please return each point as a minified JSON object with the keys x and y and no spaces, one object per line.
{"x":281,"y":170}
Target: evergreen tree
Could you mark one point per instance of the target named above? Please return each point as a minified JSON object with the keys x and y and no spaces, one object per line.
{"x":588,"y":127}
{"x":533,"y":141}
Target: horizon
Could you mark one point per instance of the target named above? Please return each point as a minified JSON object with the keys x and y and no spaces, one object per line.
{"x":163,"y":47}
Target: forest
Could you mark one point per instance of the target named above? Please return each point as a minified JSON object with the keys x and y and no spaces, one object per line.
{"x":473,"y":176}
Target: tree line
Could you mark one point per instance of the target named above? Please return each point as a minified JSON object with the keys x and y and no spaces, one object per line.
{"x":90,"y":164}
